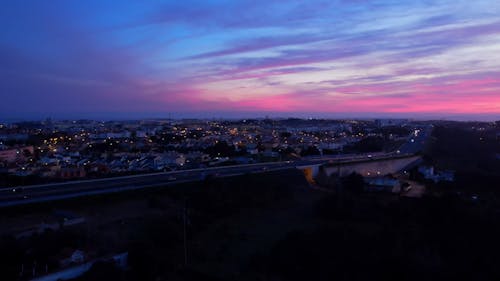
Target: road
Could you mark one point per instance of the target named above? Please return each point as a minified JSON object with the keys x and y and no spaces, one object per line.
{"x":49,"y":192}
{"x":58,"y":191}
{"x":416,"y":141}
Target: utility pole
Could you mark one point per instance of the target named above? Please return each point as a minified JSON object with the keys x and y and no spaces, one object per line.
{"x":185,"y":218}
{"x":34,"y":268}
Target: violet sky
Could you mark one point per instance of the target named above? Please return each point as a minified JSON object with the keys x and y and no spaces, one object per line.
{"x":344,"y":58}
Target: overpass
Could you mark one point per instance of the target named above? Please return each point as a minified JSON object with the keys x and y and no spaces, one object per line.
{"x":367,"y":166}
{"x":375,"y":164}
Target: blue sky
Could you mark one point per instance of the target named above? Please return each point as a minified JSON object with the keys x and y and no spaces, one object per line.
{"x":424,"y":59}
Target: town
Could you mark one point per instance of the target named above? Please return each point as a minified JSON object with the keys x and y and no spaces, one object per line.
{"x":51,"y":151}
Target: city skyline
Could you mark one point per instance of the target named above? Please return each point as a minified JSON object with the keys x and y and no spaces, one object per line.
{"x":229,"y":59}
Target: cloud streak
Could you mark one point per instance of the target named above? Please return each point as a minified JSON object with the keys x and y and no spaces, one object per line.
{"x":376,"y":57}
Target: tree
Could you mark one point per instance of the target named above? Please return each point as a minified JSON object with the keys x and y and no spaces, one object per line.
{"x":221,"y":148}
{"x":369,"y":144}
{"x":354,"y":183}
{"x":311,"y":150}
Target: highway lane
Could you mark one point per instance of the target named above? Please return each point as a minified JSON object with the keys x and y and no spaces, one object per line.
{"x":30,"y":194}
{"x":47,"y":192}
{"x":417,"y":140}
{"x":135,"y":178}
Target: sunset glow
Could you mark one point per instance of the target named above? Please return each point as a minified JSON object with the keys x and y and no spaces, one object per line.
{"x":327,"y":58}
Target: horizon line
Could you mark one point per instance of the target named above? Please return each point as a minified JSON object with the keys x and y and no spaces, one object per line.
{"x":227,"y":115}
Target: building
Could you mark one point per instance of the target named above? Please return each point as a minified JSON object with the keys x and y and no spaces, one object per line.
{"x":390,"y":122}
{"x":16,"y":154}
{"x":383,"y":184}
{"x":429,"y":173}
{"x":71,"y":173}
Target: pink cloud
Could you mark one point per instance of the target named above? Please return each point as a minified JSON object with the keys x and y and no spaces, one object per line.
{"x":468,"y":96}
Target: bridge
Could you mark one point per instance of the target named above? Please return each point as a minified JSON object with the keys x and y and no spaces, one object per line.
{"x":368,"y":166}
{"x":373,"y":165}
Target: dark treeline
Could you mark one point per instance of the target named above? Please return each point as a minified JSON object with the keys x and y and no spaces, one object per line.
{"x":471,"y":153}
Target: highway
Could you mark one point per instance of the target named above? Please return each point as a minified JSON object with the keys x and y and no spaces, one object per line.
{"x":416,"y":141}
{"x":49,"y":192}
{"x":22,"y":195}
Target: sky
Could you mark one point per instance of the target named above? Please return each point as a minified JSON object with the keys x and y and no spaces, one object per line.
{"x":218,"y":58}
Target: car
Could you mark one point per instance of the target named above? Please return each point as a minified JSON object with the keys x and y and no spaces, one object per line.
{"x":172,"y":178}
{"x":211,"y":176}
{"x":406,"y":186}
